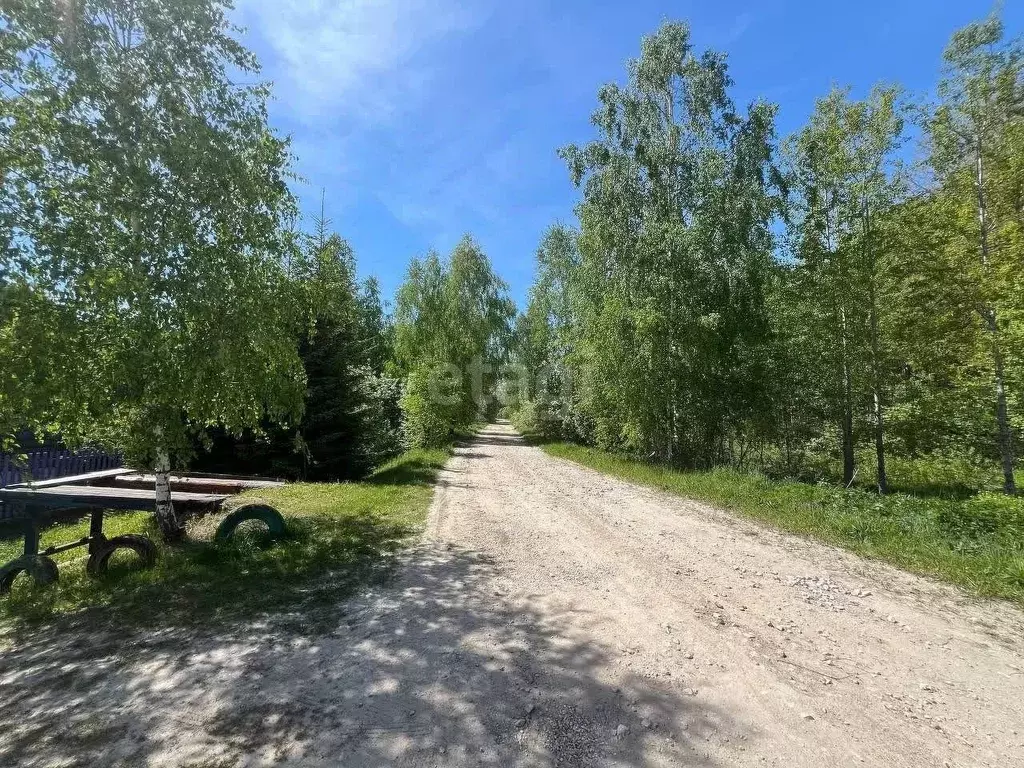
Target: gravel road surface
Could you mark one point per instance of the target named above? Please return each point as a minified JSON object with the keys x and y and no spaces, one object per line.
{"x":553,"y":616}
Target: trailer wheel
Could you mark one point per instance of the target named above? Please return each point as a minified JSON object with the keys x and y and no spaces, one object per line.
{"x":264,"y":512}
{"x":142,"y":546}
{"x":42,"y":569}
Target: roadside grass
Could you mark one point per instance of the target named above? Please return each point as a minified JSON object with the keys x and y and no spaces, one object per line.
{"x":941,"y":475}
{"x":975,"y":542}
{"x":340,"y":536}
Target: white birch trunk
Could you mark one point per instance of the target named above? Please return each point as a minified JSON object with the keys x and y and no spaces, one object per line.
{"x":165,"y":517}
{"x":988,"y":315}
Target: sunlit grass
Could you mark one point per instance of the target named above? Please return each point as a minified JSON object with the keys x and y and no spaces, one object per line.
{"x":943,"y":475}
{"x":975,"y":542}
{"x":339,"y":536}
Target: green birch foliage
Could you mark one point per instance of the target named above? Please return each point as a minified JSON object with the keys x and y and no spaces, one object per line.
{"x":975,"y":153}
{"x":543,"y":339}
{"x":891,"y":323}
{"x":543,"y":331}
{"x":452,"y":330}
{"x":845,"y":185}
{"x":675,"y":251}
{"x":142,"y":219}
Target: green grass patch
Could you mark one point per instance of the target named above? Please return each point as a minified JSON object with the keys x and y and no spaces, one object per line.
{"x":975,"y":542}
{"x":340,"y":536}
{"x":954,"y":476}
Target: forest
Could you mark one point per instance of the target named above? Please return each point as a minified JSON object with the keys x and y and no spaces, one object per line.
{"x":841,"y":305}
{"x":828,"y":306}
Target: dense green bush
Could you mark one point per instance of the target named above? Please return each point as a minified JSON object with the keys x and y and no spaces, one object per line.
{"x":452,"y":326}
{"x":430,"y":420}
{"x":540,"y":418}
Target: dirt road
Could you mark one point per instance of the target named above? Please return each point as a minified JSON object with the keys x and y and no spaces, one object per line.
{"x":554,"y":616}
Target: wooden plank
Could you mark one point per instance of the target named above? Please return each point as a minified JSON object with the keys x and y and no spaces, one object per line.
{"x":98,"y":495}
{"x":88,"y":477}
{"x":188,"y":482}
{"x":245,"y":478}
{"x":245,"y":482}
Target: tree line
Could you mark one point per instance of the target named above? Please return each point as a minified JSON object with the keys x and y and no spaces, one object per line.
{"x":850,"y":293}
{"x":725,"y":298}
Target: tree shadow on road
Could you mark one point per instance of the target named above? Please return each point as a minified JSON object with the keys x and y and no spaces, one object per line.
{"x":435,"y":669}
{"x":497,"y":440}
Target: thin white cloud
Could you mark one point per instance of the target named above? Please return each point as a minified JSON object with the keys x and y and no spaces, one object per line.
{"x":367,"y":58}
{"x":395,"y":105}
{"x":740,"y":26}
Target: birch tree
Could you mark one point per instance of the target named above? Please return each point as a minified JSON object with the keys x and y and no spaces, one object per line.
{"x":974,"y":135}
{"x":545,"y":337}
{"x":143,"y":213}
{"x":846,"y":184}
{"x":453,"y":323}
{"x":675,"y":248}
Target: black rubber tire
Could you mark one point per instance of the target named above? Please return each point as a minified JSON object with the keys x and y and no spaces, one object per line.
{"x":42,"y":569}
{"x":255,"y":511}
{"x":141,"y":545}
{"x":45,"y":571}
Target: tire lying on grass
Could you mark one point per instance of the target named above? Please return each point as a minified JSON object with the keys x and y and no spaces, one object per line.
{"x":142,"y":546}
{"x":41,"y":568}
{"x":252,"y":511}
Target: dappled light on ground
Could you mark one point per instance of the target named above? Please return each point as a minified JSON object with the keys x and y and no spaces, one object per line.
{"x":437,"y":670}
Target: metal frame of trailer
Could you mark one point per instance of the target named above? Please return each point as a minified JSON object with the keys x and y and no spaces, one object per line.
{"x":29,"y":507}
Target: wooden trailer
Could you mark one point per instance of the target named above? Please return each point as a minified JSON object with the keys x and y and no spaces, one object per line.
{"x":29,"y":507}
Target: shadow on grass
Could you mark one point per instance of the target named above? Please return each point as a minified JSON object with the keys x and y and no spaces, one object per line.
{"x":538,"y":439}
{"x":950,"y":492}
{"x":421,"y":470}
{"x":320,"y":560}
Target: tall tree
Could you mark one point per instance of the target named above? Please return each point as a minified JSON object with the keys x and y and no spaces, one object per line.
{"x":846,"y":184}
{"x":544,"y":336}
{"x":975,"y":133}
{"x":143,"y":213}
{"x":348,"y":425}
{"x":678,"y":194}
{"x":452,"y":328}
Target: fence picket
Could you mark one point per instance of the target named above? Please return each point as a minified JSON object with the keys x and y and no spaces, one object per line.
{"x":47,"y":461}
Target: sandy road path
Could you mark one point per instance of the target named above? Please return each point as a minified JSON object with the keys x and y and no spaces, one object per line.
{"x":554,"y":616}
{"x":717,"y":641}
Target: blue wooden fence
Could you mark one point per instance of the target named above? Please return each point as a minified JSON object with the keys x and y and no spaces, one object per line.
{"x":47,"y":462}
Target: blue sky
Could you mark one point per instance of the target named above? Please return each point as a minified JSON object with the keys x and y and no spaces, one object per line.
{"x":426,"y":119}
